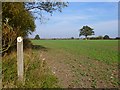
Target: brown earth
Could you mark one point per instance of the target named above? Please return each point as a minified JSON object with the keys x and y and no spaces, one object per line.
{"x":80,"y":72}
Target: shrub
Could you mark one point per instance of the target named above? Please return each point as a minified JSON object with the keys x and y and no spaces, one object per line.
{"x":106,"y":37}
{"x":37,"y":37}
{"x":117,"y":38}
{"x":100,"y":37}
{"x":72,"y":37}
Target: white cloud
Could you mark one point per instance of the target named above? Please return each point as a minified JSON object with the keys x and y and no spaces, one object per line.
{"x":68,"y":24}
{"x":68,"y":19}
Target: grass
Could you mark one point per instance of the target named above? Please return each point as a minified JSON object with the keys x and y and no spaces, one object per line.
{"x":102,"y":50}
{"x":88,"y":64}
{"x":36,"y":72}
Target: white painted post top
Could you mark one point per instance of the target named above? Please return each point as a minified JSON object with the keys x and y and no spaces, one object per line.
{"x":19,"y":39}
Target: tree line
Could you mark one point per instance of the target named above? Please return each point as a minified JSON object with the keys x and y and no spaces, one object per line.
{"x":88,"y":31}
{"x":84,"y":31}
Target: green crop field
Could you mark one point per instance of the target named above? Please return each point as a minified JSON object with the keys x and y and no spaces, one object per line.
{"x":93,"y":63}
{"x":65,"y":64}
{"x":102,"y":50}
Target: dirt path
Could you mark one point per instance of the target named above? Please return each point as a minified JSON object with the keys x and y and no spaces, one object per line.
{"x":80,"y":72}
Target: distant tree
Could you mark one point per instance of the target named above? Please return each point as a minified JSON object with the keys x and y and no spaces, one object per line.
{"x":37,"y":37}
{"x":100,"y":37}
{"x":72,"y":37}
{"x":86,"y":31}
{"x":117,"y":38}
{"x":96,"y":38}
{"x":106,"y":37}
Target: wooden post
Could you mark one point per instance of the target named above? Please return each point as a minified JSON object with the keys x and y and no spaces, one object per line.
{"x":20,"y":67}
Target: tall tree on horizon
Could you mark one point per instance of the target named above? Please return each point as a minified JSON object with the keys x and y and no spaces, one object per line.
{"x":86,"y":31}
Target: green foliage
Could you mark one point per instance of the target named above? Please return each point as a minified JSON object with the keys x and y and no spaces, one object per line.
{"x":16,"y":22}
{"x":72,"y":37}
{"x":86,"y":31}
{"x":26,"y":43}
{"x":106,"y":37}
{"x":117,"y":38}
{"x":100,"y":37}
{"x":20,"y":18}
{"x":96,"y":38}
{"x":37,"y":37}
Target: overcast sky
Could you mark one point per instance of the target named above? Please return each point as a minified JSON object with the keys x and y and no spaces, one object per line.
{"x":101,"y":16}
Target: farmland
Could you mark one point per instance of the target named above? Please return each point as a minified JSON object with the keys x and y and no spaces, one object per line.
{"x":82,"y":63}
{"x":66,"y":63}
{"x":105,"y":50}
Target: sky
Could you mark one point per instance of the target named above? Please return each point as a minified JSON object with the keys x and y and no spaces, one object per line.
{"x":101,"y":16}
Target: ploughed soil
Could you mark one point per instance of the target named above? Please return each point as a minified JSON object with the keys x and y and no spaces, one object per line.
{"x":80,"y":71}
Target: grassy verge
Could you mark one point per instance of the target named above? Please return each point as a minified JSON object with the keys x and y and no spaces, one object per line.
{"x":36,"y":72}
